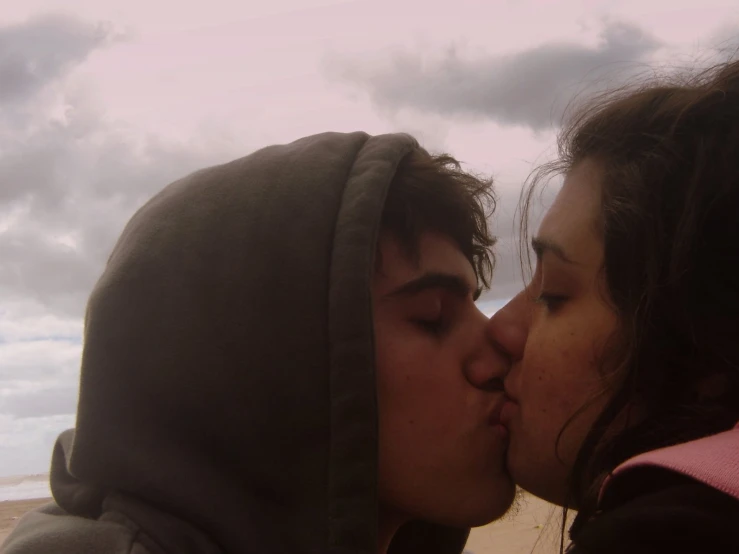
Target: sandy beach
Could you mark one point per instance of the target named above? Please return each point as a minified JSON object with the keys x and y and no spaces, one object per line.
{"x":531,"y":527}
{"x":12,"y":510}
{"x":531,"y":521}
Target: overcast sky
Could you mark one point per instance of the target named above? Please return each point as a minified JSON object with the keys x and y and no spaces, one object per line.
{"x":103,"y":103}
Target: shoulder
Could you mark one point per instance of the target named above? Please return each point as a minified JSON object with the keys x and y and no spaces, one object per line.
{"x":712,"y":460}
{"x":680,"y":499}
{"x":50,"y":530}
{"x":677,"y":514}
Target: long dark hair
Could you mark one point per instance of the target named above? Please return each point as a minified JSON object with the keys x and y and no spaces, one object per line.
{"x":669,"y":155}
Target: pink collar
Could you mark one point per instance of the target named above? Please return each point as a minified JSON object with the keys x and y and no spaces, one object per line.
{"x":711,"y":460}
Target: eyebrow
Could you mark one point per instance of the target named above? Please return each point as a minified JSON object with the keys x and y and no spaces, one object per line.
{"x":436,"y":280}
{"x":542,"y":245}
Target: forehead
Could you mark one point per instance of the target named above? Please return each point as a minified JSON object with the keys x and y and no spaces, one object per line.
{"x":437,"y":254}
{"x":573,"y":220}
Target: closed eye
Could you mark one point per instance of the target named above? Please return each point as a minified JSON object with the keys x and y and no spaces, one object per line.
{"x":551,"y":301}
{"x":432,"y":326}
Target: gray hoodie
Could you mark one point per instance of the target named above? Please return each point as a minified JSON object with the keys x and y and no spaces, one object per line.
{"x":227,"y":398}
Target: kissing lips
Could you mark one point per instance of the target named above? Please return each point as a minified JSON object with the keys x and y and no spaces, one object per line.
{"x":496,"y":423}
{"x":508,"y":411}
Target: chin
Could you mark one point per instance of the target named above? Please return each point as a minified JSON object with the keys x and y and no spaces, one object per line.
{"x":482,"y":510}
{"x":529,"y":479}
{"x":495,"y":510}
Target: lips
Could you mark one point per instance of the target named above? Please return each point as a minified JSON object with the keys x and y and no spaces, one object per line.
{"x":509,"y":392}
{"x":508,"y":410}
{"x":499,"y":430}
{"x":495,"y":414}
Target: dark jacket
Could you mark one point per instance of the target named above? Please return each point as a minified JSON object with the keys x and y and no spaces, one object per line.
{"x":227,"y":400}
{"x":678,"y":500}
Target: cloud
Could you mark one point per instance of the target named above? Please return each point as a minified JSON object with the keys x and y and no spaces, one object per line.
{"x":40,"y":50}
{"x":71,"y":177}
{"x":530,"y":88}
{"x":48,"y":401}
{"x":26,"y":366}
{"x":25,"y":443}
{"x":28,"y":321}
{"x":68,"y":197}
{"x":39,"y":366}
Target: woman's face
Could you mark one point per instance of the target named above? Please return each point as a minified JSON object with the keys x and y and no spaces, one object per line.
{"x":555,"y":332}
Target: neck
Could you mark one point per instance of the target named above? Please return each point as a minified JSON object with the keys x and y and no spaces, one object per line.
{"x":389,"y":522}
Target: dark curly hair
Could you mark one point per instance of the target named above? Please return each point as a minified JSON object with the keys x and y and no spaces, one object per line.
{"x":433,"y":193}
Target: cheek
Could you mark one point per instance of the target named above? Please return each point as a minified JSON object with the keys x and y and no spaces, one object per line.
{"x":397,"y":361}
{"x":408,"y":382}
{"x":407,"y":362}
{"x":422,"y":398}
{"x":559,"y":375}
{"x":396,"y":374}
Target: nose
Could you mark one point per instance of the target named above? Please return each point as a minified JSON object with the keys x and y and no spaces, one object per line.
{"x":488,"y":365}
{"x":508,"y":328}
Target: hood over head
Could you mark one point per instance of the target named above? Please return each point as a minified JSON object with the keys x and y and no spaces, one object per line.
{"x":228,"y":386}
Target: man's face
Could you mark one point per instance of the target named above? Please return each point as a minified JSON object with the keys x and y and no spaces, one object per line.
{"x":441,"y":446}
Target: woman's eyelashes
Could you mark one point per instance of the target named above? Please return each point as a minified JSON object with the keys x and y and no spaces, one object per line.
{"x":552,"y":302}
{"x":548,"y":282}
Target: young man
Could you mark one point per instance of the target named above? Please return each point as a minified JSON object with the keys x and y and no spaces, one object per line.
{"x":283,"y":355}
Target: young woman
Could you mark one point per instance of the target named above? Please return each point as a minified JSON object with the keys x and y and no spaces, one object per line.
{"x":624,"y":392}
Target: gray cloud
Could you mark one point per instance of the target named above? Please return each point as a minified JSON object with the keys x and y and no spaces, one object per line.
{"x":25,"y":443}
{"x":37,"y":51}
{"x":74,"y":196}
{"x":69,"y":181}
{"x":531,"y":87}
{"x":50,"y":401}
